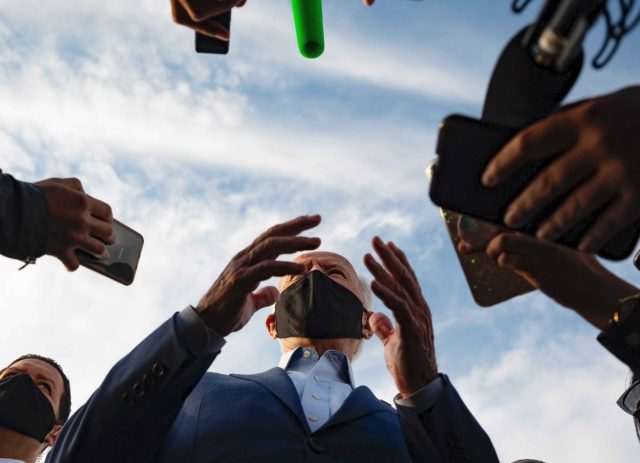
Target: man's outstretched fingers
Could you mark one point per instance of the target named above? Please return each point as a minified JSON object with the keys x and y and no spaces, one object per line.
{"x":395,"y":303}
{"x":272,"y":247}
{"x":378,"y":272}
{"x":290,"y":228}
{"x":268,"y":269}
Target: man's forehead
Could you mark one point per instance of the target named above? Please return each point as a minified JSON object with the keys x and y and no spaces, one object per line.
{"x":324,"y":258}
{"x":40,"y":368}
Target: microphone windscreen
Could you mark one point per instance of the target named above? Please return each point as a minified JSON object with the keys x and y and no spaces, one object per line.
{"x":522,"y":92}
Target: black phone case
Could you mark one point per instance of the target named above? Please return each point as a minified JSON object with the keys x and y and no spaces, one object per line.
{"x":206,"y":44}
{"x":465,"y":146}
{"x":122,"y":271}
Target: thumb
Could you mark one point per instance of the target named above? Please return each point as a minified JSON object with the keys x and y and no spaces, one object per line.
{"x":265,"y":297}
{"x":381,"y":326}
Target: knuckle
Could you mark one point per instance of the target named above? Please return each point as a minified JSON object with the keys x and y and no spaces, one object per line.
{"x":592,"y":111}
{"x":548,"y":185}
{"x":74,"y":182}
{"x":523,"y":141}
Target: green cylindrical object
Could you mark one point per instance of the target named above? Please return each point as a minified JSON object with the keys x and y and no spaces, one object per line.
{"x":307,"y":16}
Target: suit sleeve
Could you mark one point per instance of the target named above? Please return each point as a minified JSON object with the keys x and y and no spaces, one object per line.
{"x":24,"y":219}
{"x":435,"y":419}
{"x":127,"y":419}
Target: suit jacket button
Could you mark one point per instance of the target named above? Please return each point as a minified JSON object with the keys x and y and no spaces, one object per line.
{"x":138,"y":389}
{"x":316,"y":444}
{"x":158,"y":370}
{"x":128,"y":399}
{"x":148,"y":380}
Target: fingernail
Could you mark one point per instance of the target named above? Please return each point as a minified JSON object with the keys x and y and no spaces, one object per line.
{"x":489,"y":178}
{"x":513,"y":218}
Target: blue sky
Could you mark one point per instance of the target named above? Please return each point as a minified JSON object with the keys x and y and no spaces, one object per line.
{"x":201,"y":153}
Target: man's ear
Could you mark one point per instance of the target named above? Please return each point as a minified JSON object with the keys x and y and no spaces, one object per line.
{"x":52,"y":437}
{"x":271,"y":325}
{"x":367,"y":332}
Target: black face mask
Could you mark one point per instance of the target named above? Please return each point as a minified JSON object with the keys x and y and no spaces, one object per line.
{"x":317,"y":307}
{"x":24,"y":408}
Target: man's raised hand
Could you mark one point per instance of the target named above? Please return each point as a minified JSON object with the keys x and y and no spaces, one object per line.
{"x":409,"y":349}
{"x":233,"y":299}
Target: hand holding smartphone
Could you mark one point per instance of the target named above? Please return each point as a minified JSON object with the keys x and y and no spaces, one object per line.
{"x":122,"y":263}
{"x":464,"y":148}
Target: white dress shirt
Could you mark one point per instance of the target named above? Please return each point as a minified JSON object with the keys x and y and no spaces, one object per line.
{"x":10,"y":460}
{"x":323,"y":383}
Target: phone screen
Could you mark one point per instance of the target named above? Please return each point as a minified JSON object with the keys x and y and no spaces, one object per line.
{"x":124,"y":254}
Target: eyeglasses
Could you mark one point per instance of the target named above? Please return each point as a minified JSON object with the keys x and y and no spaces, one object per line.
{"x":629,"y":401}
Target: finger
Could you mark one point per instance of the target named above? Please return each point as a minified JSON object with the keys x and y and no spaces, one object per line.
{"x":515,"y":243}
{"x":100,"y":209}
{"x":396,"y":304}
{"x":381,"y":326}
{"x":199,"y":10}
{"x":251,"y":277}
{"x":402,"y":274}
{"x":265,"y":297}
{"x":378,"y":272}
{"x":70,"y":260}
{"x":72,"y":183}
{"x":209,"y":27}
{"x":561,"y":176}
{"x":272,"y":247}
{"x":290,"y":228}
{"x":102,"y":230}
{"x":611,"y":221}
{"x":95,"y":247}
{"x":369,"y":2}
{"x":521,"y":265}
{"x":546,"y":139}
{"x":402,"y":257}
{"x":579,"y":205}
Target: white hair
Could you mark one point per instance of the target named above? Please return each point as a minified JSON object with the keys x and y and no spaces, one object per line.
{"x":367,"y":294}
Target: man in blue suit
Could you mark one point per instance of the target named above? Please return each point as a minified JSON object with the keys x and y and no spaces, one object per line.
{"x":159,"y":404}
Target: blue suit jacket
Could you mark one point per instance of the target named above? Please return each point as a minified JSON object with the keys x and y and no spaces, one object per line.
{"x":158,"y":404}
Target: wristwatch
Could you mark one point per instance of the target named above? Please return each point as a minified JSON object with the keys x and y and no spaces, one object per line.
{"x":622,"y":336}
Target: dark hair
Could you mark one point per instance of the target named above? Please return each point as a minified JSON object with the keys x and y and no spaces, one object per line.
{"x":65,"y":399}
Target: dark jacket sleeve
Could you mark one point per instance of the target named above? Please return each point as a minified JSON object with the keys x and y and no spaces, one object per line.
{"x":447,"y":428}
{"x":24,"y":219}
{"x":127,"y":419}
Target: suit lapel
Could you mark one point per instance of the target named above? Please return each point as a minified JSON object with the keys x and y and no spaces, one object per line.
{"x":360,"y":402}
{"x":277,"y":381}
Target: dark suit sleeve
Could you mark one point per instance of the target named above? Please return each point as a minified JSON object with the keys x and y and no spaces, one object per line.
{"x":444,"y":426}
{"x":127,"y":419}
{"x":24,"y":219}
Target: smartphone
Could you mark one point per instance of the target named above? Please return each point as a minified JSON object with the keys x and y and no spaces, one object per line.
{"x":465,"y":146}
{"x":206,"y":44}
{"x":489,"y":283}
{"x":124,"y":254}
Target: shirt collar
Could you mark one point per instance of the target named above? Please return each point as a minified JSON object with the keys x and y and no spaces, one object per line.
{"x":304,"y":359}
{"x":10,"y":460}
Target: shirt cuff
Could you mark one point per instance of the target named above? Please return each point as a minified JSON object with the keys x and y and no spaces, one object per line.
{"x":195,"y":336}
{"x":424,"y":398}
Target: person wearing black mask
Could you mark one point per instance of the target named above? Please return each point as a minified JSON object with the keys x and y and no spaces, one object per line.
{"x":35,"y":402}
{"x":160,"y":404}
